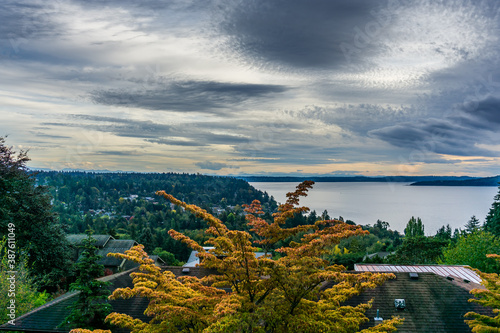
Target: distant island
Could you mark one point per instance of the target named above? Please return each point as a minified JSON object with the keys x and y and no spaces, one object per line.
{"x":486,"y":181}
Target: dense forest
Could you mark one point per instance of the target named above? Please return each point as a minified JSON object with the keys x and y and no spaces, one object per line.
{"x":124,"y":205}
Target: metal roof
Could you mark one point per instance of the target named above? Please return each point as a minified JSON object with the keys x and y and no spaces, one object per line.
{"x":456,"y":271}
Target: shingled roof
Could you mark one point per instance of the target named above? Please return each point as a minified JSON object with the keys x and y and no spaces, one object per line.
{"x":115,"y":246}
{"x":433,"y":303}
{"x":76,"y":239}
{"x":49,"y":316}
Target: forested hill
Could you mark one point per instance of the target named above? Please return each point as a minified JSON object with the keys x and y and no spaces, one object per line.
{"x":486,"y":181}
{"x":125,"y":205}
{"x":97,"y":190}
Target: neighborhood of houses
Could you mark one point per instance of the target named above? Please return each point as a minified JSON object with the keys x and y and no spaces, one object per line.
{"x":430,"y":298}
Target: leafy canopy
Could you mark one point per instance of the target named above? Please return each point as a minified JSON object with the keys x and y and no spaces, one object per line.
{"x":489,"y":297}
{"x":471,"y":249}
{"x":414,"y":228}
{"x":287,"y":294}
{"x":26,"y":295}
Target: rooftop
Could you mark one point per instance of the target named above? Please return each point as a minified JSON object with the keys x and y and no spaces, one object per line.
{"x":432,"y":303}
{"x":455,"y":271}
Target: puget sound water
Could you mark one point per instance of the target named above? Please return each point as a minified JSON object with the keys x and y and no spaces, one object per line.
{"x":395,"y":203}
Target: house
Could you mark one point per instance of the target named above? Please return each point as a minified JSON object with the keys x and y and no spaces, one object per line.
{"x":107,"y":244}
{"x":454,"y":271}
{"x":428,"y":302}
{"x":49,"y":316}
{"x":435,"y":297}
{"x":193,"y":260}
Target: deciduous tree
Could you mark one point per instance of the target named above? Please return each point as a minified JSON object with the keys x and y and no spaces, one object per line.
{"x":471,"y":249}
{"x":26,"y":295}
{"x":414,"y":228}
{"x":282,"y":295}
{"x":489,"y":297}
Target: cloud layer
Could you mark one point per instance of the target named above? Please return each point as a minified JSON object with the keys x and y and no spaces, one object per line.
{"x":227,"y":87}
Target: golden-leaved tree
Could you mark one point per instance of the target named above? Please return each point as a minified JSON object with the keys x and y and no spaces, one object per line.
{"x":489,"y":297}
{"x":286,"y":294}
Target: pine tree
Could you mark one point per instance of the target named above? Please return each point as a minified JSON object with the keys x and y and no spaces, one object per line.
{"x":492,"y":223}
{"x":90,"y":309}
{"x":146,"y":238}
{"x":472,"y":225}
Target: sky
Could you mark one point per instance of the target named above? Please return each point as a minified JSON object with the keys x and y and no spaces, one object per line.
{"x":253,"y":87}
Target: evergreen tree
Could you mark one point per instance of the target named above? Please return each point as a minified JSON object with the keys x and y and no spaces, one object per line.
{"x":492,"y":223}
{"x":472,"y":225}
{"x":444,"y":233}
{"x":419,"y":250}
{"x":146,"y":238}
{"x":27,"y":206}
{"x":90,"y":309}
{"x":414,"y":228}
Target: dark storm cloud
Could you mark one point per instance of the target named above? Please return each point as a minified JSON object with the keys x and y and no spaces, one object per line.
{"x":482,"y":114}
{"x":187,"y":96}
{"x":294,"y":33}
{"x":459,"y":133}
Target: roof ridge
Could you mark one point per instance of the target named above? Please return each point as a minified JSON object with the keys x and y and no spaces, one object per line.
{"x":72,"y":293}
{"x":59,"y":299}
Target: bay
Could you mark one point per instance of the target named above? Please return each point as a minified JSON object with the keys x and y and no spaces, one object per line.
{"x":395,"y":203}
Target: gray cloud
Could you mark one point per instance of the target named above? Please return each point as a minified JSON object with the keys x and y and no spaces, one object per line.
{"x":207,"y":165}
{"x":293,"y":33}
{"x":118,"y":152}
{"x":459,"y":133}
{"x":187,"y":96}
{"x":171,"y":142}
{"x":359,"y":118}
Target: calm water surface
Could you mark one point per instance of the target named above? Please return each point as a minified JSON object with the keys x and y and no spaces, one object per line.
{"x":395,"y":203}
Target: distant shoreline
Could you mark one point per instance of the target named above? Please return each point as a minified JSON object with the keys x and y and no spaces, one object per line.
{"x":414,"y":180}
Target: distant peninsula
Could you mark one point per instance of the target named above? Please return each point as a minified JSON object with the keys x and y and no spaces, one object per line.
{"x":486,"y":181}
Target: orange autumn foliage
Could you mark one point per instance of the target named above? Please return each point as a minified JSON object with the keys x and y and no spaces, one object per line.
{"x":268,"y":295}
